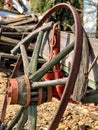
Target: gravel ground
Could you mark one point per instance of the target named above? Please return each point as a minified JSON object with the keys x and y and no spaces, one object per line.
{"x":76,"y":117}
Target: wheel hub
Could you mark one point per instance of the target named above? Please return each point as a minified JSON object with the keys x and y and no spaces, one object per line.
{"x":18,"y":91}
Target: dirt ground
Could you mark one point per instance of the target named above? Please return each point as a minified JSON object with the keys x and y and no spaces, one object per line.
{"x":76,"y":117}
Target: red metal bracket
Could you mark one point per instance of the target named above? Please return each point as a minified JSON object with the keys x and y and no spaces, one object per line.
{"x":55,"y":72}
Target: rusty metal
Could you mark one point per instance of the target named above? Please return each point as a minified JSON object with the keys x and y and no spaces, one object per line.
{"x":55,"y":41}
{"x":14,"y":92}
{"x":55,"y":72}
{"x":40,"y":96}
{"x":49,"y":94}
{"x":8,"y":4}
{"x":3,"y":112}
{"x":54,"y":50}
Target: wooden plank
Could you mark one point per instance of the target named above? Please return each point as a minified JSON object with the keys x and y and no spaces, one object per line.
{"x":23,"y":28}
{"x":17,"y":18}
{"x":26,"y":21}
{"x":82,"y":79}
{"x":9,"y":40}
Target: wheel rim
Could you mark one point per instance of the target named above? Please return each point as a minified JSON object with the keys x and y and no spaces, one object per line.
{"x":75,"y":65}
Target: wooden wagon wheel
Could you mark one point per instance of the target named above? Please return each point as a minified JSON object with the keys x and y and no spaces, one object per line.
{"x":23,"y":85}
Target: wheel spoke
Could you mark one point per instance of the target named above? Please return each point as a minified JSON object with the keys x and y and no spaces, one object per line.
{"x":43,"y":84}
{"x":34,"y":58}
{"x":15,"y":120}
{"x":23,"y":119}
{"x":32,"y":109}
{"x":25,"y":59}
{"x":30,"y":36}
{"x":44,"y":69}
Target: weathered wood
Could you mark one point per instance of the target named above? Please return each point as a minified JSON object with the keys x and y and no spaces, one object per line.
{"x":45,"y":68}
{"x":22,"y":120}
{"x":34,"y":58}
{"x":24,"y":59}
{"x":47,"y":83}
{"x":14,"y":34}
{"x":82,"y":79}
{"x":68,"y":38}
{"x":32,"y":109}
{"x":12,"y":57}
{"x":23,"y":28}
{"x":17,"y":18}
{"x":26,"y":21}
{"x":7,"y":55}
{"x":9,"y":40}
{"x":32,"y":35}
{"x":6,"y":47}
{"x":93,"y":53}
{"x":16,"y":119}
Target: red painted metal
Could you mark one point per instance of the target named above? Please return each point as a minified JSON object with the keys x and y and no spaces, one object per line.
{"x":54,"y":50}
{"x":55,"y":72}
{"x":12,"y":91}
{"x":50,"y":93}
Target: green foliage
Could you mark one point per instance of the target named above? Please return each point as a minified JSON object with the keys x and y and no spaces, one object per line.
{"x":64,"y":16}
{"x":40,"y":6}
{"x":1,"y":3}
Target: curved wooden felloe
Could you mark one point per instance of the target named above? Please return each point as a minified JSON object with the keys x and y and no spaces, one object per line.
{"x":75,"y":64}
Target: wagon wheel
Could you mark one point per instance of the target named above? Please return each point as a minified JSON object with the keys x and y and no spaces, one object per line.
{"x":31,"y":75}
